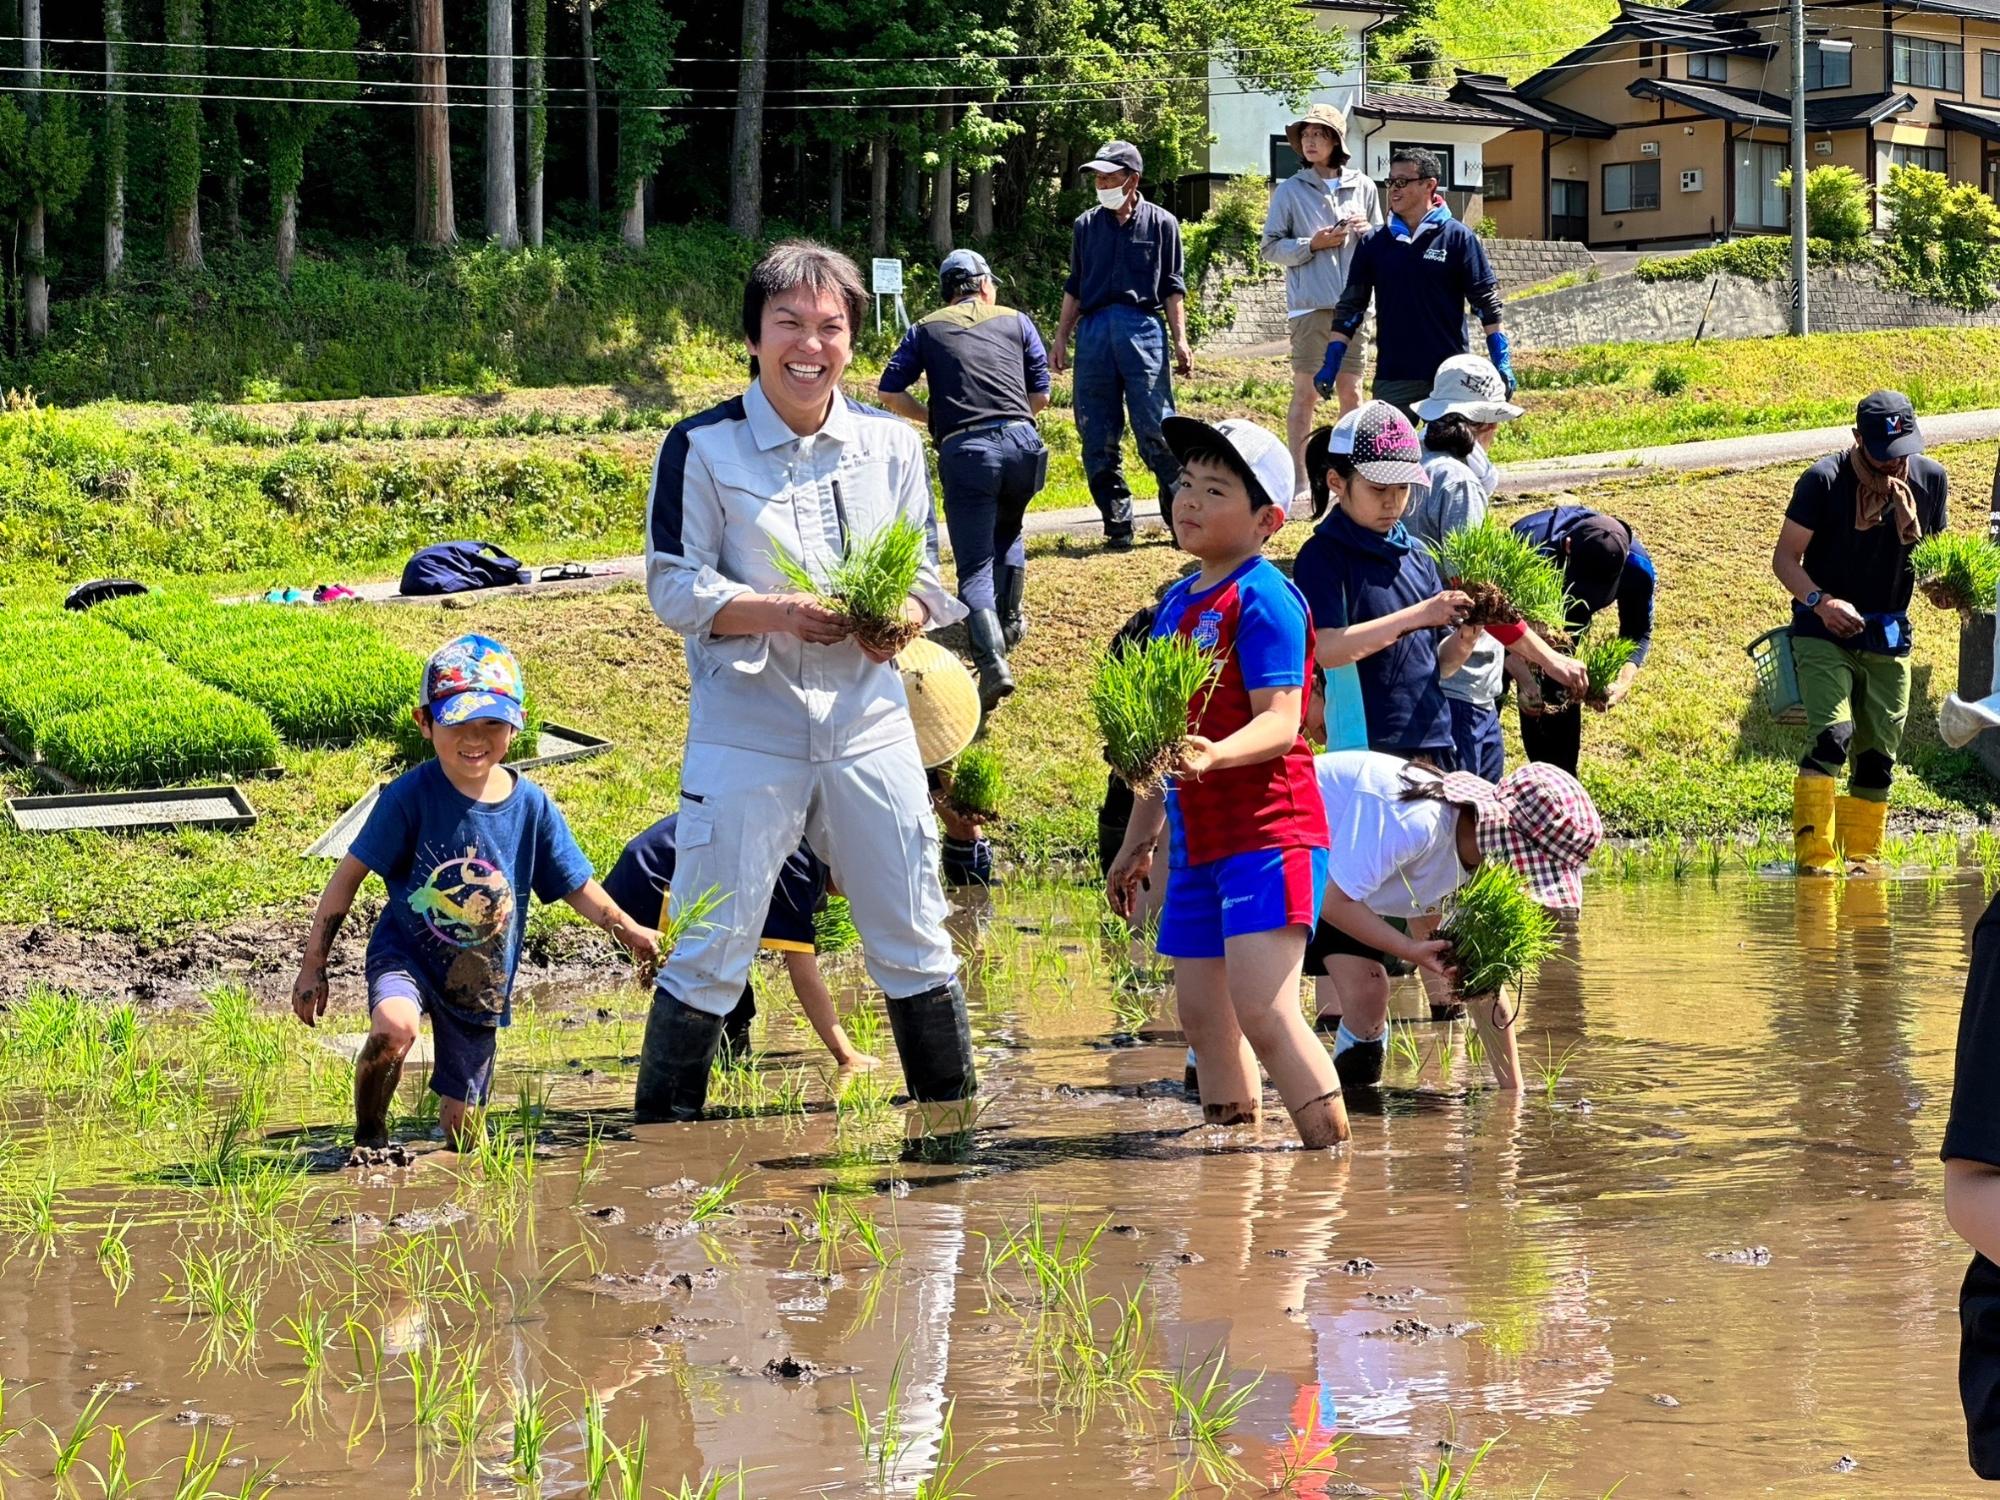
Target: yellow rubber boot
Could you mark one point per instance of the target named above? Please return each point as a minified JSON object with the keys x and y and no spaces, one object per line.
{"x":1860,"y":824}
{"x":1812,"y":825}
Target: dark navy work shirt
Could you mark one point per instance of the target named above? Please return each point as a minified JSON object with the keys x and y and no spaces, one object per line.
{"x":1134,"y":264}
{"x":641,"y":879}
{"x":981,"y":363}
{"x":1546,"y":530}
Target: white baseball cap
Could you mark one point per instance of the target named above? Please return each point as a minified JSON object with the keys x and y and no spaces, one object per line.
{"x":1262,"y":461}
{"x":1468,"y":386}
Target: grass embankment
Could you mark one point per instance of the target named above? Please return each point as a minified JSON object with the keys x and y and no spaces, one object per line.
{"x":317,"y":492}
{"x":1688,"y":753}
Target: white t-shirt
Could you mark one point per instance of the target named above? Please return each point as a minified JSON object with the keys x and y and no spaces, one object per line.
{"x":1397,"y":857}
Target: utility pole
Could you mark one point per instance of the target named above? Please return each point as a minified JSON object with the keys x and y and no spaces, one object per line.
{"x":1801,"y":322}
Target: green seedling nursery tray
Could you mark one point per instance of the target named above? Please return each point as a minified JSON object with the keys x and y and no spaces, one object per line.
{"x":218,"y":808}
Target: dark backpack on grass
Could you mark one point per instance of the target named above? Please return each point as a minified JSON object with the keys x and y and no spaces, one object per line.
{"x":452,"y":567}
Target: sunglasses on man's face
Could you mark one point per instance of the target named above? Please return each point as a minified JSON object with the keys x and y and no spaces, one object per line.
{"x":1397,"y":184}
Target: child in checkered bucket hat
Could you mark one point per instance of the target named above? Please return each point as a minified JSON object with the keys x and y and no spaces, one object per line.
{"x":1539,"y":819}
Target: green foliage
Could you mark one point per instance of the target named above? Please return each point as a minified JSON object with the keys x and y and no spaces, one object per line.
{"x":1497,"y":932}
{"x":305,"y":50}
{"x":870,"y":584}
{"x":181,"y":167}
{"x":1957,"y":571}
{"x":1942,"y":237}
{"x":1140,"y":698}
{"x":323,"y":675}
{"x":111,"y":712}
{"x":1604,"y":656}
{"x":1837,"y":205}
{"x":1669,"y":379}
{"x":1508,"y":579}
{"x":635,"y":49}
{"x":1762,"y":257}
{"x":83,"y":494}
{"x":977,"y":783}
{"x":1488,"y":228}
{"x":833,"y":927}
{"x":537,"y":37}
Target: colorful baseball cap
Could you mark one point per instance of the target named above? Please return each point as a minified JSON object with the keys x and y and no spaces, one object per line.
{"x":1382,"y":444}
{"x":473,"y":677}
{"x":1540,"y":820}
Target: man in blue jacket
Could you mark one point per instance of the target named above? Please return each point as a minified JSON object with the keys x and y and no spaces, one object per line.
{"x":1429,"y":266}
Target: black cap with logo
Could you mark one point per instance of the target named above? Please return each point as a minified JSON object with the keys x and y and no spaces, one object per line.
{"x":1888,"y":426}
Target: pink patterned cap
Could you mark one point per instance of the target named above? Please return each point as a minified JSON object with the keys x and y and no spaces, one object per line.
{"x":1541,"y":821}
{"x":1382,"y":444}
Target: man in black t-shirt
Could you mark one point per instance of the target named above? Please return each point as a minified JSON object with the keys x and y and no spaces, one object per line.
{"x":1844,"y":555}
{"x":1971,"y":1156}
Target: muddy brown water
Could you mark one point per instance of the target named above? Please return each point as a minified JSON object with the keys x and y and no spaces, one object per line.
{"x":1713,"y":1264}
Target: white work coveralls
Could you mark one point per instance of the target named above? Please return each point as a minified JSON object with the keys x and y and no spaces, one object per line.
{"x":787,"y":739}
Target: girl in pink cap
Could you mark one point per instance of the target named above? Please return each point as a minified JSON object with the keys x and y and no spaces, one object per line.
{"x":1404,"y":837}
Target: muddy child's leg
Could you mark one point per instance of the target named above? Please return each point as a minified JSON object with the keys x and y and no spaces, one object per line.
{"x":1230,"y":1089}
{"x":394,"y":1014}
{"x":1264,"y":991}
{"x":461,"y":1073}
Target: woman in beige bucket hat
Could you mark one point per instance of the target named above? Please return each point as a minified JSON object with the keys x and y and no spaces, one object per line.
{"x":1317,"y":216}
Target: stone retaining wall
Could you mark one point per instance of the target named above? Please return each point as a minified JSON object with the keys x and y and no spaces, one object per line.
{"x":1257,"y":292}
{"x":1626,"y":309}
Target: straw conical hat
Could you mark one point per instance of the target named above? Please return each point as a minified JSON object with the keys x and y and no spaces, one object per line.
{"x":944,"y":700}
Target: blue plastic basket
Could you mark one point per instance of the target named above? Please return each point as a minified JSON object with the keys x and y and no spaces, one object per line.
{"x":1778,"y":675}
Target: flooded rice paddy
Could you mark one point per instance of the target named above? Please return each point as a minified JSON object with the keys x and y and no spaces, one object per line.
{"x":1703,"y":1256}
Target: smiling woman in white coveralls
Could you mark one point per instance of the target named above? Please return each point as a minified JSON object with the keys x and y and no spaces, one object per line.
{"x":793,"y":728}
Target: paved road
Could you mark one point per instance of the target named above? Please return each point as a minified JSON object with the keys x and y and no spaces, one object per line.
{"x":1539,"y":476}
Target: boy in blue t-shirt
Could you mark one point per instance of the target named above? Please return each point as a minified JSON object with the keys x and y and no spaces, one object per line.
{"x":460,"y":841}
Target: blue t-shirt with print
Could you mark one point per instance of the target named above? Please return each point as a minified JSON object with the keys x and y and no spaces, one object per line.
{"x":459,"y":873}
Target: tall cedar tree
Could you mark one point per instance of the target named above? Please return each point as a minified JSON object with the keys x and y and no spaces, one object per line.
{"x":182,"y":176}
{"x":746,"y":150}
{"x":503,"y":221}
{"x":114,"y":141}
{"x":436,"y":223}
{"x":636,"y":47}
{"x":538,"y":113}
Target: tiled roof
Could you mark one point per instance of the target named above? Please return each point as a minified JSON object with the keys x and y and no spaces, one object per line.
{"x":1535,"y":114}
{"x":1981,"y":122}
{"x":1685,"y":27}
{"x":1757,"y":107}
{"x":1388,"y":105}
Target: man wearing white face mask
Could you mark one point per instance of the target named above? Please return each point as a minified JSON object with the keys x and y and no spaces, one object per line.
{"x":1125,"y":274}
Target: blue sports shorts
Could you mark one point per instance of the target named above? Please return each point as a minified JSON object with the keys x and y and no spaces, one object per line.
{"x":1260,"y":891}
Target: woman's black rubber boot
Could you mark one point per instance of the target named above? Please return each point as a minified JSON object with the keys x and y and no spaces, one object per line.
{"x":989,"y":658}
{"x":934,"y":1039}
{"x":673,"y":1065}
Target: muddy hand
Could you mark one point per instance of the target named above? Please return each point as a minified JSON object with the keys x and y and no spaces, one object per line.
{"x":1434,"y":954}
{"x":309,"y":995}
{"x":1197,"y":755}
{"x":1444,"y":608}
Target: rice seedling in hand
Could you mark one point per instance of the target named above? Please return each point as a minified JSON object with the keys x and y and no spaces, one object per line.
{"x":1506,"y":577}
{"x":1140,"y":697}
{"x":1603,"y":657}
{"x":834,"y":930}
{"x":977,"y":785}
{"x":870,"y":585}
{"x":1498,"y":933}
{"x":1957,"y":572}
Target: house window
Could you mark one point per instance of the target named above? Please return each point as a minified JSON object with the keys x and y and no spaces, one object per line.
{"x":1760,"y":203}
{"x":1920,"y":62}
{"x":1713,"y":66}
{"x":1285,"y":162}
{"x":1989,"y":74}
{"x":1497,"y":186}
{"x":1930,"y":158}
{"x":1828,"y":70}
{"x":1631,"y":186}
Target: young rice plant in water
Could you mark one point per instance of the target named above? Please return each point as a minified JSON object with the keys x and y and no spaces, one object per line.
{"x":976,"y":783}
{"x":869,"y":584}
{"x":1140,"y":698}
{"x":1957,"y":572}
{"x":1506,"y":577}
{"x":1498,"y":934}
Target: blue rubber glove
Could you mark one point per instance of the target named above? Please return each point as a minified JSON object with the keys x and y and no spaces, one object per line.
{"x":1496,"y":350}
{"x":1336,"y":352}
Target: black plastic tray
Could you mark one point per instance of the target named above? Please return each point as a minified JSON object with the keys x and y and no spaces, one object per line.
{"x":219,"y":808}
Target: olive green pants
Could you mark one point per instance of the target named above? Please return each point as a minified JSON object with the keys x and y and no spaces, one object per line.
{"x":1856,"y":705}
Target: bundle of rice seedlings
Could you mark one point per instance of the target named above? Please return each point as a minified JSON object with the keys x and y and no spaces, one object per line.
{"x":1957,"y":572}
{"x":870,"y":584}
{"x":1497,"y":931}
{"x":977,"y":784}
{"x":1141,"y":697}
{"x":1506,"y":577}
{"x":833,"y":927}
{"x":1604,"y":657}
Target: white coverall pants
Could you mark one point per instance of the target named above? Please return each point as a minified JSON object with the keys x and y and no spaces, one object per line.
{"x":868,"y":816}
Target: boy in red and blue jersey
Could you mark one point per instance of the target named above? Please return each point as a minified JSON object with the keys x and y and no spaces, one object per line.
{"x":1246,"y":825}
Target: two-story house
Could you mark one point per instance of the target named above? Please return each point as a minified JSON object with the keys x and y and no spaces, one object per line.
{"x":1672,"y":126}
{"x":1247,"y":127}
